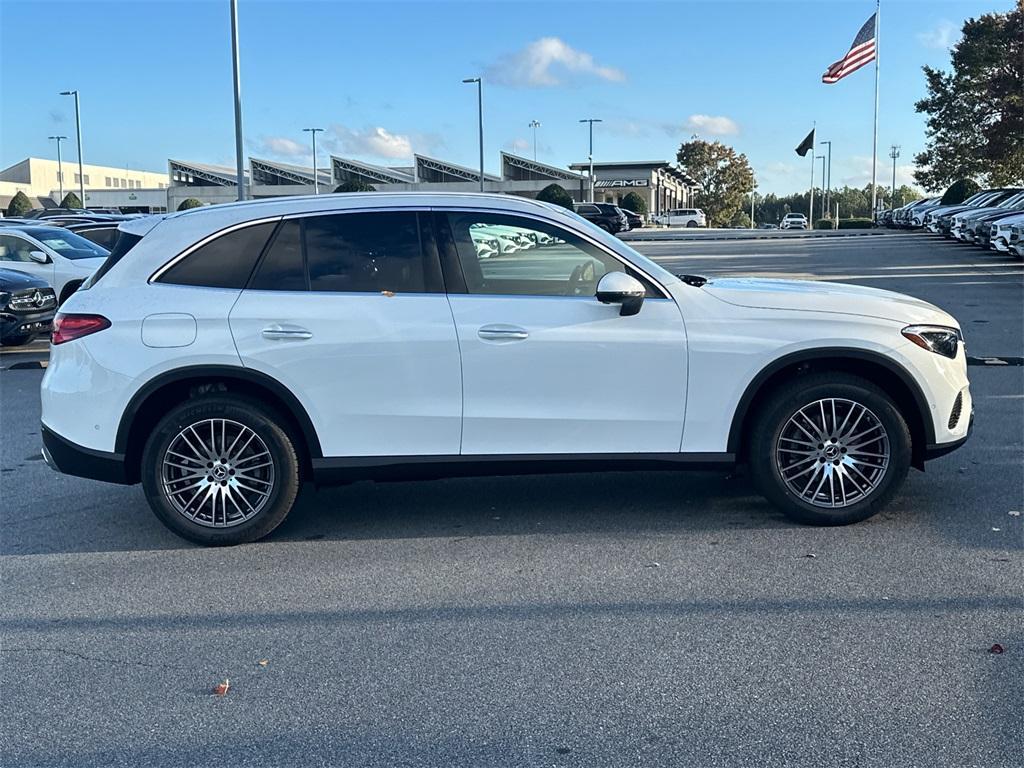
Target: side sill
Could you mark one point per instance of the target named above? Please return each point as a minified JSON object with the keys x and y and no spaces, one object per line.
{"x":340,"y":470}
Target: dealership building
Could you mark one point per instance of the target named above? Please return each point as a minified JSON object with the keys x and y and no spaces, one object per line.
{"x":660,"y":184}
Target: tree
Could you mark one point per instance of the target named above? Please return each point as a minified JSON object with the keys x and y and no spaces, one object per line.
{"x":71,"y":201}
{"x":355,"y":185}
{"x":556,"y":195}
{"x":975,"y":124}
{"x":959,"y":191}
{"x":19,"y":205}
{"x":189,"y":202}
{"x":634,"y":202}
{"x":740,"y":219}
{"x":723,"y":177}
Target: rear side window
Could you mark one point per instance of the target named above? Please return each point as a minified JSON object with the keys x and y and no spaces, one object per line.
{"x":282,"y":268}
{"x":225,"y":262}
{"x":105,"y":238}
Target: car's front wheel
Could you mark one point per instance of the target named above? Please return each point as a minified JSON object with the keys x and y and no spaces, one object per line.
{"x":220,"y":470}
{"x":829,"y":449}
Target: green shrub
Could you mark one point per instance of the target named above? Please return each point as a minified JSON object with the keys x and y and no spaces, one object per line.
{"x":71,"y":201}
{"x":823,"y":224}
{"x":355,"y":185}
{"x":19,"y":205}
{"x":555,"y":194}
{"x":634,"y":202}
{"x":959,"y":191}
{"x":855,"y":223}
{"x":189,"y":202}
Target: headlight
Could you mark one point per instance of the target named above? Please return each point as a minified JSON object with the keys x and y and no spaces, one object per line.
{"x":935,"y":338}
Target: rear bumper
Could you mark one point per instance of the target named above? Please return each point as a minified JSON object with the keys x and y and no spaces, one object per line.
{"x":69,"y":458}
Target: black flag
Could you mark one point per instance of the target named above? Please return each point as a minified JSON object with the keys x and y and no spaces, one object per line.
{"x":806,"y":145}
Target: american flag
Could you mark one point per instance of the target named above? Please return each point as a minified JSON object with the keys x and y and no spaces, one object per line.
{"x":861,"y":52}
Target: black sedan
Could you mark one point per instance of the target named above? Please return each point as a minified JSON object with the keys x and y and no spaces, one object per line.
{"x":27,"y":307}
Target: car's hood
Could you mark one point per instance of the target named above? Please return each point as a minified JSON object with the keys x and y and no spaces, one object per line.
{"x":13,"y":280}
{"x":814,"y":296}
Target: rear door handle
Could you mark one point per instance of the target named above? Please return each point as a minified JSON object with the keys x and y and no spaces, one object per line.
{"x":286,"y":333}
{"x":503,"y":333}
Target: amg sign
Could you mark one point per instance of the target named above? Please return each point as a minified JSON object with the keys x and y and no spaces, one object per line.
{"x":622,"y":183}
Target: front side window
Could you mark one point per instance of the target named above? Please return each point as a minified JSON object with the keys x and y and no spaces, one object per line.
{"x":513,"y":255}
{"x":224,"y":262}
{"x":14,"y":248}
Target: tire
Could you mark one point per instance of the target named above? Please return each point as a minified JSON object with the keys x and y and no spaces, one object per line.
{"x":607,"y":228}
{"x":17,"y":341}
{"x":246,"y":511}
{"x":690,"y":224}
{"x":780,"y":449}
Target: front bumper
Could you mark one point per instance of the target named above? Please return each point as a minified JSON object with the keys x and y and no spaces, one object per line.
{"x":69,"y":458}
{"x":18,"y":324}
{"x":941,"y":449}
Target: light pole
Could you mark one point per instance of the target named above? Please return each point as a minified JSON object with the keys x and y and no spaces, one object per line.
{"x":60,"y":164}
{"x":822,"y":158}
{"x":78,"y":132}
{"x":894,"y":152}
{"x":535,"y":124}
{"x":828,"y":182}
{"x":239,"y":163}
{"x":753,"y":191}
{"x":316,"y":179}
{"x":480,"y":116}
{"x":590,"y":154}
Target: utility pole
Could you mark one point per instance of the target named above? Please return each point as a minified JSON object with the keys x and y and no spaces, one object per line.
{"x":535,"y":124}
{"x":823,"y":209}
{"x":828,"y":182}
{"x":753,"y":191}
{"x":480,"y":116}
{"x":78,"y":132}
{"x":894,"y":152}
{"x":590,"y":154}
{"x":239,"y":163}
{"x":60,"y":165}
{"x":316,"y":179}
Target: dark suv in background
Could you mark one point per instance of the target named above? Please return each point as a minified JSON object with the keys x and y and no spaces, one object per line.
{"x":27,"y":307}
{"x":607,"y":216}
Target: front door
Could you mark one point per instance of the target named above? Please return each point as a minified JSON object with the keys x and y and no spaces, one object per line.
{"x":546,"y":368}
{"x":14,"y":254}
{"x":348,"y":311}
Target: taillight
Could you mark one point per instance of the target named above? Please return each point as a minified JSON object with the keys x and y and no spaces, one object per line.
{"x":71,"y":327}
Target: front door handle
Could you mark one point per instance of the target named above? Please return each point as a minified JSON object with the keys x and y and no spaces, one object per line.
{"x":503,"y":333}
{"x":286,"y":333}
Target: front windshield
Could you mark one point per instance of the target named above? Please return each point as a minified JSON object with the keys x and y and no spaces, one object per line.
{"x":67,"y":244}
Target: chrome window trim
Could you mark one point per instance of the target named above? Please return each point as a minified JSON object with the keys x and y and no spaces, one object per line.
{"x":208,"y":239}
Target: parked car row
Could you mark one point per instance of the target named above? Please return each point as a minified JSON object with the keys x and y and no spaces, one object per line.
{"x":992,"y":219}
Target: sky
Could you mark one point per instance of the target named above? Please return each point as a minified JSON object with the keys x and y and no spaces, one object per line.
{"x":384,"y":79}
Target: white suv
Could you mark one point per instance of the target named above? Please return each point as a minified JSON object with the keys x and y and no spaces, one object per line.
{"x":237,"y":350}
{"x":683,"y":217}
{"x":794,"y":221}
{"x":61,"y":258}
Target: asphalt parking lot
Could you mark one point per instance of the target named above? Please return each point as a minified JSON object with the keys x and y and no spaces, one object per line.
{"x":587,"y":620}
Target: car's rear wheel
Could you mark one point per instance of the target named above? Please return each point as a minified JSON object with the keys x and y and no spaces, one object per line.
{"x":691,"y":224}
{"x":829,"y":449}
{"x":220,"y":470}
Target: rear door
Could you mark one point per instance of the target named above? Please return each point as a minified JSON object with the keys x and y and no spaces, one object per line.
{"x":348,"y":311}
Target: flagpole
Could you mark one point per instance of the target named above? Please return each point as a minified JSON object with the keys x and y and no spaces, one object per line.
{"x":810,"y":206}
{"x":874,"y":139}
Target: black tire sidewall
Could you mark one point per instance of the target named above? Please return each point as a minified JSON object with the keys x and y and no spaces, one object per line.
{"x":783,"y":404}
{"x":267,"y":425}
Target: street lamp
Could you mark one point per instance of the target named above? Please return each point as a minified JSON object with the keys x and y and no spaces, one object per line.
{"x":60,"y":164}
{"x":822,"y":158}
{"x":590,"y":154}
{"x":316,"y":179}
{"x":753,"y":192}
{"x":828,"y":183}
{"x":480,"y":115}
{"x":535,"y":124}
{"x":239,"y":163}
{"x":78,"y":131}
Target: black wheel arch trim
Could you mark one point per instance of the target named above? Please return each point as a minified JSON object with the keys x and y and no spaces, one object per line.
{"x":247,"y":375}
{"x":824,"y":353}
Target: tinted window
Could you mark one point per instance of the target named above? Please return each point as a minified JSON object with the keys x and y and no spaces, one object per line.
{"x":67,"y":244}
{"x":512,"y":255}
{"x":282,"y":268}
{"x":225,"y":262}
{"x":366,"y":252}
{"x":105,"y":237}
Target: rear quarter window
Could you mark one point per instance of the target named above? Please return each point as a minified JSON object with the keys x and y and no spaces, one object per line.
{"x":224,"y":262}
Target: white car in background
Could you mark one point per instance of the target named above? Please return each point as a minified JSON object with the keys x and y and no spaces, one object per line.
{"x":682,"y":217}
{"x":61,"y":258}
{"x":226,"y":354}
{"x":794,"y":221}
{"x":1001,"y":231}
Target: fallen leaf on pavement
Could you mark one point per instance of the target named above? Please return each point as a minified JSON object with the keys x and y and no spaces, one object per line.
{"x":263,"y":662}
{"x":221,"y":688}
{"x":997,"y":648}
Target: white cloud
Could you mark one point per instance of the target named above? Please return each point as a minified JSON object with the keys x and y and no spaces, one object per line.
{"x":281,"y":147}
{"x":712,"y":125}
{"x":548,"y":62}
{"x":372,"y":142}
{"x":941,"y":37}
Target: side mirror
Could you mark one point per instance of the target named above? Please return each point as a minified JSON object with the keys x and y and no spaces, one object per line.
{"x":620,"y":288}
{"x":39,"y":257}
